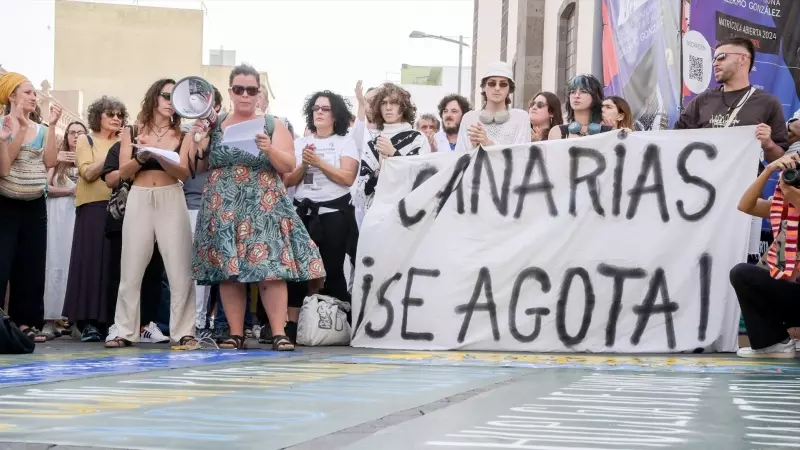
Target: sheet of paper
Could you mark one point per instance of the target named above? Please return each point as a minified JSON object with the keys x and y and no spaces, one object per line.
{"x":243,"y":135}
{"x":167,"y":154}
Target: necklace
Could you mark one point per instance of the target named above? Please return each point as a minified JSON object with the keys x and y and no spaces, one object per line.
{"x":736,"y":103}
{"x":159,"y":136}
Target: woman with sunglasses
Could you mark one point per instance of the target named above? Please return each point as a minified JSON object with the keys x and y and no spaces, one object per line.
{"x":247,"y":230}
{"x":544,"y":110}
{"x":327,"y":163}
{"x":151,"y":155}
{"x":85,"y":303}
{"x":60,"y":224}
{"x":27,"y":150}
{"x":496,"y":123}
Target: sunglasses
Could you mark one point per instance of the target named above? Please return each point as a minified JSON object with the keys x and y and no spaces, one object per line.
{"x":252,"y":91}
{"x":722,"y":56}
{"x":502,"y":84}
{"x":539,"y":105}
{"x":166,"y":96}
{"x":325,"y":109}
{"x":112,"y":114}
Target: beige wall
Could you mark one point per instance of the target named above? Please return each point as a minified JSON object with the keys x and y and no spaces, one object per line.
{"x":120,"y":50}
{"x":588,"y":18}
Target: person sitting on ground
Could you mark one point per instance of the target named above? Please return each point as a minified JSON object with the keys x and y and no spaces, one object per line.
{"x":768,"y":292}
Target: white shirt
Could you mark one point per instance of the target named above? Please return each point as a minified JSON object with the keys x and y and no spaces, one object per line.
{"x":517,"y":130}
{"x":315,"y":186}
{"x":442,"y":144}
{"x":794,"y":148}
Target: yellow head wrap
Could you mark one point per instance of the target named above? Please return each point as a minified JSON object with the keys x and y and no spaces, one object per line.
{"x":8,"y":83}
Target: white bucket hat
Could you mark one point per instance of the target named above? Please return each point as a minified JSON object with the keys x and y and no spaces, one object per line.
{"x":498,"y":69}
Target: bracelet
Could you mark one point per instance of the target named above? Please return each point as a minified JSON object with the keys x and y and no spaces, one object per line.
{"x":139,"y":161}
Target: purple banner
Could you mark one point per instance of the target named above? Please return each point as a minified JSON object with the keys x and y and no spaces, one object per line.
{"x":642,"y":58}
{"x":774,"y":28}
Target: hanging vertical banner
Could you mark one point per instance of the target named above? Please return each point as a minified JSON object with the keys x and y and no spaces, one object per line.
{"x":641,"y":59}
{"x":774,"y":28}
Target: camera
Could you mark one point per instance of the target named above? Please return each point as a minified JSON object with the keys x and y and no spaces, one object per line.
{"x":791,"y":177}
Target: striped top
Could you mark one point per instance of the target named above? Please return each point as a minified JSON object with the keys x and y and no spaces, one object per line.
{"x":782,"y":254}
{"x":28,"y":177}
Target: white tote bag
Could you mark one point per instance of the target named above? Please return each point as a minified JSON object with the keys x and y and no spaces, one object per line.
{"x":323,"y":321}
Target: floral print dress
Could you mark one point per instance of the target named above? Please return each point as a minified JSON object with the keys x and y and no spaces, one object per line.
{"x":247,"y":229}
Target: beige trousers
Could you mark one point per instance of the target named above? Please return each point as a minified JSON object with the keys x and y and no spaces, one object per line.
{"x":156,"y":215}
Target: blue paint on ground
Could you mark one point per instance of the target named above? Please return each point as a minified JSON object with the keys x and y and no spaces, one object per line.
{"x":49,"y":371}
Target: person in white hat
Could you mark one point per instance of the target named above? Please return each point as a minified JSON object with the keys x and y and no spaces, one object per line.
{"x":495,"y":123}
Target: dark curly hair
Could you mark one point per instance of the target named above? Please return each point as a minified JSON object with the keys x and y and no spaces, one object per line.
{"x":147,"y":113}
{"x":102,"y":105}
{"x":407,"y":108}
{"x":463,"y":103}
{"x":339,"y":109}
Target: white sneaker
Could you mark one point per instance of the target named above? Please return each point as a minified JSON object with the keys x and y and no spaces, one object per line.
{"x":113,"y":333}
{"x":153,"y":334}
{"x":779,"y":350}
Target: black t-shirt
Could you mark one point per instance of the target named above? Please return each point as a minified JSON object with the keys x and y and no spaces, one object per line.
{"x":712,"y":109}
{"x":112,"y":161}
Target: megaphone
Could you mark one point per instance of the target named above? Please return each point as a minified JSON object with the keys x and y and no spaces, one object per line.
{"x":193,"y":98}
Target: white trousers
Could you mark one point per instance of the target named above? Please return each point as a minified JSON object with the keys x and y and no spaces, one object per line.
{"x":156,"y":215}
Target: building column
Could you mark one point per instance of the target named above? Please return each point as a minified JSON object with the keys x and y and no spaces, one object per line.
{"x":530,"y":44}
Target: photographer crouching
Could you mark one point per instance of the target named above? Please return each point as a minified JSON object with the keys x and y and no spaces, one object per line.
{"x":768,"y":293}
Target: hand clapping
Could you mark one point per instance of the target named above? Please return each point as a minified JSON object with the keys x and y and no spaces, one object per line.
{"x":477,"y":135}
{"x":385,"y":146}
{"x":310,"y":157}
{"x":6,"y":129}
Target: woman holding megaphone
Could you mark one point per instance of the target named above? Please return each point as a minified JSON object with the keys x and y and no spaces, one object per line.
{"x":247,"y":230}
{"x":152,"y":156}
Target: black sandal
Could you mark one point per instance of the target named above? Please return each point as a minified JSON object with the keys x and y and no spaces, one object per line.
{"x":232,"y":342}
{"x":35,"y":335}
{"x":282,"y":343}
{"x":118,"y":343}
{"x":187,"y":342}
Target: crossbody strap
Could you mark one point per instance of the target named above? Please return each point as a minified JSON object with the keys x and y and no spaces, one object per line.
{"x":738,"y":108}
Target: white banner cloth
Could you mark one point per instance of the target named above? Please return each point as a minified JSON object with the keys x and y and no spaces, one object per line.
{"x":607,"y":243}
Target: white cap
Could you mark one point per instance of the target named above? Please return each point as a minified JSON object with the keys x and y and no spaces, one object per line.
{"x":498,"y":69}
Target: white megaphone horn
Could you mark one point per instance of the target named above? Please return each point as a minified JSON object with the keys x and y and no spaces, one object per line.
{"x":193,"y":98}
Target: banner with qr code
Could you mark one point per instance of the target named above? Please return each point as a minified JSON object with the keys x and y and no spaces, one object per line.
{"x":773,"y":27}
{"x":641,"y":59}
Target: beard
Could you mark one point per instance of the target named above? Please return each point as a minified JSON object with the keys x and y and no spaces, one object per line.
{"x":451,"y":130}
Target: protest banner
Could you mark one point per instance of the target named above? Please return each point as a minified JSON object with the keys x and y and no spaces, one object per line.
{"x":617,"y":242}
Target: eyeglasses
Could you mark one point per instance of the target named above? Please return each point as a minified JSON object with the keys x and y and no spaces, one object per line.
{"x":166,"y":96}
{"x":722,"y":56}
{"x":112,"y":114}
{"x":325,"y":109}
{"x":76,"y":133}
{"x":539,"y":105}
{"x":492,"y":83}
{"x":252,"y":91}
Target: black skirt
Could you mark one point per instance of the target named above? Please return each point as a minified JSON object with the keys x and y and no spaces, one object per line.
{"x":86,"y":298}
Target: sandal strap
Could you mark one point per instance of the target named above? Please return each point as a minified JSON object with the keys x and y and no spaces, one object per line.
{"x":236,"y":340}
{"x":184,"y":340}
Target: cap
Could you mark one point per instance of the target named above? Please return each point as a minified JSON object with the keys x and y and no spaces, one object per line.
{"x":498,"y":69}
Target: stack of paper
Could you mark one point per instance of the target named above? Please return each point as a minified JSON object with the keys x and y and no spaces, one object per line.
{"x":166,"y":154}
{"x":243,"y":135}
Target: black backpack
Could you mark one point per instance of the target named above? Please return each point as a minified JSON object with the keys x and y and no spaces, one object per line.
{"x":12,"y":340}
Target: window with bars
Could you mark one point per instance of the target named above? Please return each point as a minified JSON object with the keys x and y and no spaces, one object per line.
{"x":567,"y":46}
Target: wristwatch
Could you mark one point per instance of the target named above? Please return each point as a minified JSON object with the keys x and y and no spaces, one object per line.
{"x":138,"y":159}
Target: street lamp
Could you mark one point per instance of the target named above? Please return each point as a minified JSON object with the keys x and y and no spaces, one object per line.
{"x":460,"y":42}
